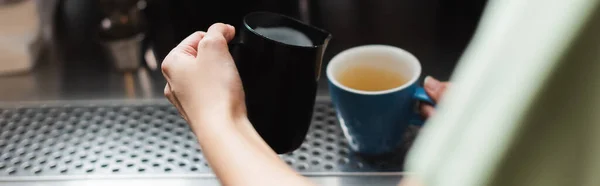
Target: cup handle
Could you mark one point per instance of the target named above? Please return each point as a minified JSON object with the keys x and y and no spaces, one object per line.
{"x":421,"y":96}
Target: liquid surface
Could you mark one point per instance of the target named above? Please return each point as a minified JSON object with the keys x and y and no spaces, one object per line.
{"x":367,"y":78}
{"x":285,"y":35}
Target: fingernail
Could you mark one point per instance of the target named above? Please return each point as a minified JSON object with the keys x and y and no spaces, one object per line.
{"x":230,"y":26}
{"x":431,"y":83}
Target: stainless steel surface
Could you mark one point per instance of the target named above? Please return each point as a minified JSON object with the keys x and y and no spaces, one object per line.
{"x":116,"y":139}
{"x":71,"y":142}
{"x":374,"y":180}
{"x":84,"y":84}
{"x":87,"y":76}
{"x":81,"y":76}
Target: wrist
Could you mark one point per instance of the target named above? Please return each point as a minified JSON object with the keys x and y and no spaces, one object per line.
{"x":216,"y":119}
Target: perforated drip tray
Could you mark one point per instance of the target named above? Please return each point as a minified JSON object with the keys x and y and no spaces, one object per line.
{"x":150,"y":139}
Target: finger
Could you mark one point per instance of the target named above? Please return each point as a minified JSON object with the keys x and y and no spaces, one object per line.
{"x":182,"y":112}
{"x":220,"y":29}
{"x":167,"y":91}
{"x":434,"y":88}
{"x":189,"y":45}
{"x":174,"y":101}
{"x":169,"y":94}
{"x":217,"y":36}
{"x":171,"y":97}
{"x":427,"y":110}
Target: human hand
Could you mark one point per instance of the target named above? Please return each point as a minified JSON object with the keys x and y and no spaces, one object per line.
{"x":435,"y":89}
{"x":204,"y":84}
{"x":202,"y":79}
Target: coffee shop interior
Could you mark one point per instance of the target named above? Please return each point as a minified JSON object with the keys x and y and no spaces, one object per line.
{"x":82,"y":92}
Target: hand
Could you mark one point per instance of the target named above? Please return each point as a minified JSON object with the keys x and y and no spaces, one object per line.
{"x":435,"y":89}
{"x":204,"y":84}
{"x":202,"y":78}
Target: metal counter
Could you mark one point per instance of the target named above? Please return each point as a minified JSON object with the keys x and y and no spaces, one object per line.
{"x":95,"y":126}
{"x":146,"y":142}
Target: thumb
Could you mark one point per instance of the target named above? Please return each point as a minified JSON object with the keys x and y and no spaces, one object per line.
{"x":434,"y":88}
{"x":217,"y":36}
{"x":221,"y":30}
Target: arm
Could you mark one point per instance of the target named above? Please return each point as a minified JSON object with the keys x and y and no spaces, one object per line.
{"x":204,"y":85}
{"x":238,"y":160}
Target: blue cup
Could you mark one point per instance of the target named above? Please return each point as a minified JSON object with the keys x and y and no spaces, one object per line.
{"x":374,"y":122}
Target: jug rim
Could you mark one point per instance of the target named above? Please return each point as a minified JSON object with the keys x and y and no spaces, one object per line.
{"x":289,"y":18}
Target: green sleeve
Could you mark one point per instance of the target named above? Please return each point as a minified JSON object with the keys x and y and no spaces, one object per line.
{"x":524,"y":106}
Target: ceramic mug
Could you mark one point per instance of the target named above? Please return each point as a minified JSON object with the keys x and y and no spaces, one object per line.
{"x":374,"y":121}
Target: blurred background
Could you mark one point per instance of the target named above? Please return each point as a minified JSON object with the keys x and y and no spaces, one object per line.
{"x":112,"y":49}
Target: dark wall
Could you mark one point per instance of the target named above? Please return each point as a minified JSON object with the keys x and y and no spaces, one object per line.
{"x":436,"y":31}
{"x":173,"y":20}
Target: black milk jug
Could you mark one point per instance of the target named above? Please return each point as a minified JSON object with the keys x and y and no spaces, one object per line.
{"x":279,"y":61}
